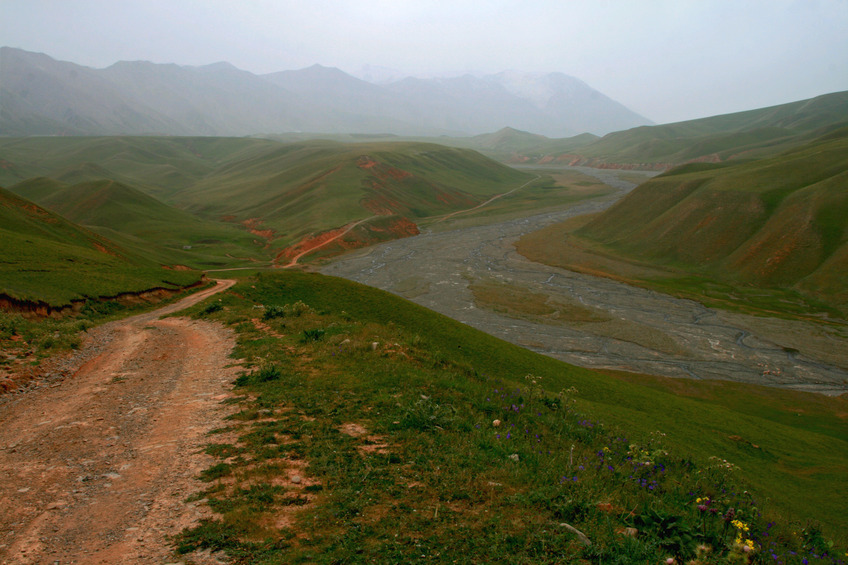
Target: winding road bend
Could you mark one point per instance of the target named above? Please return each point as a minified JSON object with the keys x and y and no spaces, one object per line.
{"x":97,"y":467}
{"x":643,"y":331}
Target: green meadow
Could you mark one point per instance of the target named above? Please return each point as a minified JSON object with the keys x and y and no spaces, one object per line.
{"x":369,"y":429}
{"x":45,"y":259}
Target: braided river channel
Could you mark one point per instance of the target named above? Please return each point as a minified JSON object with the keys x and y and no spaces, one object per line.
{"x":640,"y":330}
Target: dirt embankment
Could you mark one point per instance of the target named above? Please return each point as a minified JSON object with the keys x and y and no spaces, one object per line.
{"x":97,"y":467}
{"x":43,"y":309}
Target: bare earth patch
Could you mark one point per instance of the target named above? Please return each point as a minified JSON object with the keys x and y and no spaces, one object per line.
{"x":97,"y":466}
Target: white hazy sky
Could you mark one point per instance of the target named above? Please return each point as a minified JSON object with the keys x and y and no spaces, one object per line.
{"x":669,"y":60}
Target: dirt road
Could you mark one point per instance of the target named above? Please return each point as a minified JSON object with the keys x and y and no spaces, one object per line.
{"x":346,"y":231}
{"x":97,"y":467}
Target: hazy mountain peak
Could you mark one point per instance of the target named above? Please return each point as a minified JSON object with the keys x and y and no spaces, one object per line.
{"x":219,"y":66}
{"x":44,"y":96}
{"x":376,"y":74}
{"x":538,"y":88}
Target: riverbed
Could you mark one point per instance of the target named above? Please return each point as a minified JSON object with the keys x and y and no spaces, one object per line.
{"x":640,"y":331}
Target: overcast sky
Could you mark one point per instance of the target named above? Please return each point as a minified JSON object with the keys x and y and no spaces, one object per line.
{"x":669,"y":60}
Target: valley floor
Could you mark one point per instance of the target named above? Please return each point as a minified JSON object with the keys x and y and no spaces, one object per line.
{"x":97,"y":466}
{"x":621,"y":327}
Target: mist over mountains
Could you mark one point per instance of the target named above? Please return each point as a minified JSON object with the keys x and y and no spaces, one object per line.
{"x":42,"y":96}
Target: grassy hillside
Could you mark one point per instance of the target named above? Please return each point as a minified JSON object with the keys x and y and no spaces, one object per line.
{"x":778,"y":223}
{"x":743,"y":135}
{"x":45,"y":258}
{"x":370,"y":429}
{"x":509,"y":145}
{"x":302,"y":188}
{"x":282,"y":193}
{"x":142,"y":222}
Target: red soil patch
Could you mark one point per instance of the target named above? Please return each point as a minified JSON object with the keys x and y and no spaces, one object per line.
{"x":103,"y":249}
{"x":381,"y":170}
{"x":339,"y":240}
{"x":366,"y":162}
{"x":381,"y":205}
{"x":309,"y":242}
{"x":253,"y":225}
{"x":263,"y":327}
{"x":398,"y":228}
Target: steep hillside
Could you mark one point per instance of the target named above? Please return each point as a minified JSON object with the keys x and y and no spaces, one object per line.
{"x":48,"y":260}
{"x":156,"y":230}
{"x":778,"y":223}
{"x":744,"y":135}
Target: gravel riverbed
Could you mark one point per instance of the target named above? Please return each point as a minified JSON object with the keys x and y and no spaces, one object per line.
{"x":644,"y":331}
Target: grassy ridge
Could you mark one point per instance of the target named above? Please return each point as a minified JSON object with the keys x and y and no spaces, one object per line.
{"x":752,"y":134}
{"x":779,"y":223}
{"x":292,"y":189}
{"x":45,"y":258}
{"x":384,"y":411}
{"x":142,"y":222}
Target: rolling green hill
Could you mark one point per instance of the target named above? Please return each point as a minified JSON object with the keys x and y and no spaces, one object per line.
{"x":282,"y":193}
{"x":743,"y":135}
{"x":301,"y":189}
{"x":47,"y":259}
{"x":161,"y":232}
{"x":156,"y":165}
{"x":513,"y":146}
{"x":779,"y":223}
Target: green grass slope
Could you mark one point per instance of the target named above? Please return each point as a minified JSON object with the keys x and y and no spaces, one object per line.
{"x":158,"y":230}
{"x":300,"y":189}
{"x":413,"y":434}
{"x":282,"y":192}
{"x":775,"y":223}
{"x":45,"y":258}
{"x":156,"y":165}
{"x":743,"y":135}
{"x":512,"y":146}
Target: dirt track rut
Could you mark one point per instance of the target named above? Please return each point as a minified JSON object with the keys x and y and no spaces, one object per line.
{"x":97,"y":467}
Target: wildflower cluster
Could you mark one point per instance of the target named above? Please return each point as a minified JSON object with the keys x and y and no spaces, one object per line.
{"x":592,"y":464}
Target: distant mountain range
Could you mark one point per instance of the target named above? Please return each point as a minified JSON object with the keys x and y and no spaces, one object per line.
{"x":42,"y":96}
